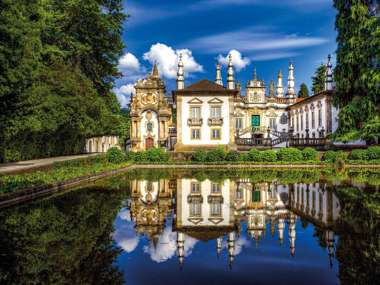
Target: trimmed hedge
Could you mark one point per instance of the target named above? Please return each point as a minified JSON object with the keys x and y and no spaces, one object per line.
{"x":115,"y":155}
{"x":151,"y":155}
{"x":289,"y":154}
{"x":310,"y":154}
{"x":233,"y":156}
{"x":359,"y":154}
{"x":218,"y":154}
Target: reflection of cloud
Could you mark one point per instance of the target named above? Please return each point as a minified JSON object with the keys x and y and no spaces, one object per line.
{"x":167,"y":246}
{"x":240,"y":243}
{"x":125,"y":235}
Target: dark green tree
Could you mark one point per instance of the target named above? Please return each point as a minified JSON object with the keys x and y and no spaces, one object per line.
{"x":357,"y":73}
{"x":319,"y":79}
{"x":304,"y":91}
{"x":58,"y":62}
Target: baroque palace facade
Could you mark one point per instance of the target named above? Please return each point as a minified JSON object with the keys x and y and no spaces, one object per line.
{"x":209,"y":114}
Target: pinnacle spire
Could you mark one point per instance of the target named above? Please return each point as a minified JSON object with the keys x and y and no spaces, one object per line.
{"x":180,"y":74}
{"x":329,"y":75}
{"x":155,"y":72}
{"x":218,"y":78}
{"x":280,"y":88}
{"x":230,"y":74}
{"x":254,"y":73}
{"x":291,"y":93}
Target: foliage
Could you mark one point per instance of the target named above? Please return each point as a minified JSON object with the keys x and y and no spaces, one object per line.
{"x":58,"y":62}
{"x":233,"y":156}
{"x":289,"y":154}
{"x":268,"y":156}
{"x":374,"y":152}
{"x":359,"y":154}
{"x":199,"y":155}
{"x":357,"y":73}
{"x":332,"y":156}
{"x":254,"y":155}
{"x":115,"y":155}
{"x":304,"y":91}
{"x":215,"y":155}
{"x":318,"y":80}
{"x":309,"y":153}
{"x":157,"y":155}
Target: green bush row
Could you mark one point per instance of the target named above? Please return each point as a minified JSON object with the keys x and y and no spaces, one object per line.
{"x":151,"y":155}
{"x":372,"y":153}
{"x":254,"y":155}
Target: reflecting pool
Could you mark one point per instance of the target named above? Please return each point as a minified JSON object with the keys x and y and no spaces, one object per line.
{"x":199,"y":227}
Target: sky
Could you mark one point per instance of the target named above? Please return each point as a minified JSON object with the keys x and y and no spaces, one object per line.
{"x":266,"y":34}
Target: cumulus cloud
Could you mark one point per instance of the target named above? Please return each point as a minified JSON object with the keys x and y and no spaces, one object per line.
{"x":239,"y":62}
{"x":167,"y":246}
{"x":123,"y":94}
{"x":129,"y":62}
{"x":125,"y":235}
{"x":167,"y":60}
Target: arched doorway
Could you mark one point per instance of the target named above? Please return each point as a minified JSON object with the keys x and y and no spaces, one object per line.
{"x":90,"y":146}
{"x":149,"y":143}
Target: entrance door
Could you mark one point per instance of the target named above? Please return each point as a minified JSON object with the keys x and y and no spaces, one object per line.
{"x":149,"y":143}
{"x":255,"y":120}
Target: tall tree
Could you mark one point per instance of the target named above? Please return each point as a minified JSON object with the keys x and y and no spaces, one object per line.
{"x":58,"y":62}
{"x":357,"y":73}
{"x":304,"y":91}
{"x":319,"y":79}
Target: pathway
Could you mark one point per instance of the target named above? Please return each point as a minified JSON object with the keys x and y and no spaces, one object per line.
{"x":37,"y":163}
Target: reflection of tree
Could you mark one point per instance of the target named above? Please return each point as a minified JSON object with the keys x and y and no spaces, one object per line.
{"x":63,"y":240}
{"x":358,"y":249}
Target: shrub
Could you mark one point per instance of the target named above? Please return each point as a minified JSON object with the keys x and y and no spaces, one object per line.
{"x":216,"y":155}
{"x":157,"y":155}
{"x":233,"y":156}
{"x":115,"y":155}
{"x":289,"y":154}
{"x":254,"y":155}
{"x":139,"y":156}
{"x":359,"y":154}
{"x":130,"y":156}
{"x":332,"y":156}
{"x":374,"y":152}
{"x":244,"y":156}
{"x":310,"y":154}
{"x":268,"y":156}
{"x":199,"y":155}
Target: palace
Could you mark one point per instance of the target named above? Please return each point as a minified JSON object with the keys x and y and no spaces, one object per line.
{"x":209,"y":114}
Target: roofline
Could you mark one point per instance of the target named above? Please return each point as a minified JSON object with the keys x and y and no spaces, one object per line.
{"x":312,"y":97}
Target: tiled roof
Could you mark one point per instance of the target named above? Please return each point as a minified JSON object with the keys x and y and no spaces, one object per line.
{"x":205,"y":85}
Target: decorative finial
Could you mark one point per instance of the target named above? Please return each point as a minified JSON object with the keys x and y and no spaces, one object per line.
{"x":230,"y":74}
{"x":254,"y":73}
{"x":180,"y":74}
{"x":329,"y":84}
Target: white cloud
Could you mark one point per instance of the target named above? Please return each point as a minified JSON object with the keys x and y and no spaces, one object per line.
{"x":167,"y":246}
{"x":265,"y":56}
{"x":252,"y":40}
{"x":129,"y":62}
{"x":123,"y":94}
{"x":125,"y":235}
{"x":239,"y":62}
{"x":167,"y":60}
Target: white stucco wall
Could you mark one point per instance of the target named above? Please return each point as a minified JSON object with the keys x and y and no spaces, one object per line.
{"x":144,"y":131}
{"x":205,"y":115}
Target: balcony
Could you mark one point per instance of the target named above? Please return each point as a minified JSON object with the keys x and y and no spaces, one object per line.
{"x":193,"y":122}
{"x":215,"y":121}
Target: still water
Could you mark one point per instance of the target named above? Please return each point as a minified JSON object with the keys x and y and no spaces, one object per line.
{"x":199,"y":227}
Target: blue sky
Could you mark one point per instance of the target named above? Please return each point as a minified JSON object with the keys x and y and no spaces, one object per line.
{"x":262,"y":33}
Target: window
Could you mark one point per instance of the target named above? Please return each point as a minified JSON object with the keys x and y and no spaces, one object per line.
{"x":195,"y":209}
{"x":195,"y":134}
{"x":301,"y":118}
{"x":307,"y":120}
{"x":312,"y":120}
{"x":195,"y":187}
{"x":298,"y":125}
{"x":149,"y":126}
{"x":283,"y":119}
{"x":215,"y":112}
{"x":239,"y":193}
{"x":272,"y":123}
{"x":216,"y":209}
{"x":292,"y":122}
{"x":195,"y":112}
{"x":239,"y":123}
{"x":319,"y":117}
{"x":215,"y":188}
{"x":215,"y":134}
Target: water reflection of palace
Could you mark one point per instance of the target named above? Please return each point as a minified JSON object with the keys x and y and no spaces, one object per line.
{"x":209,"y":210}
